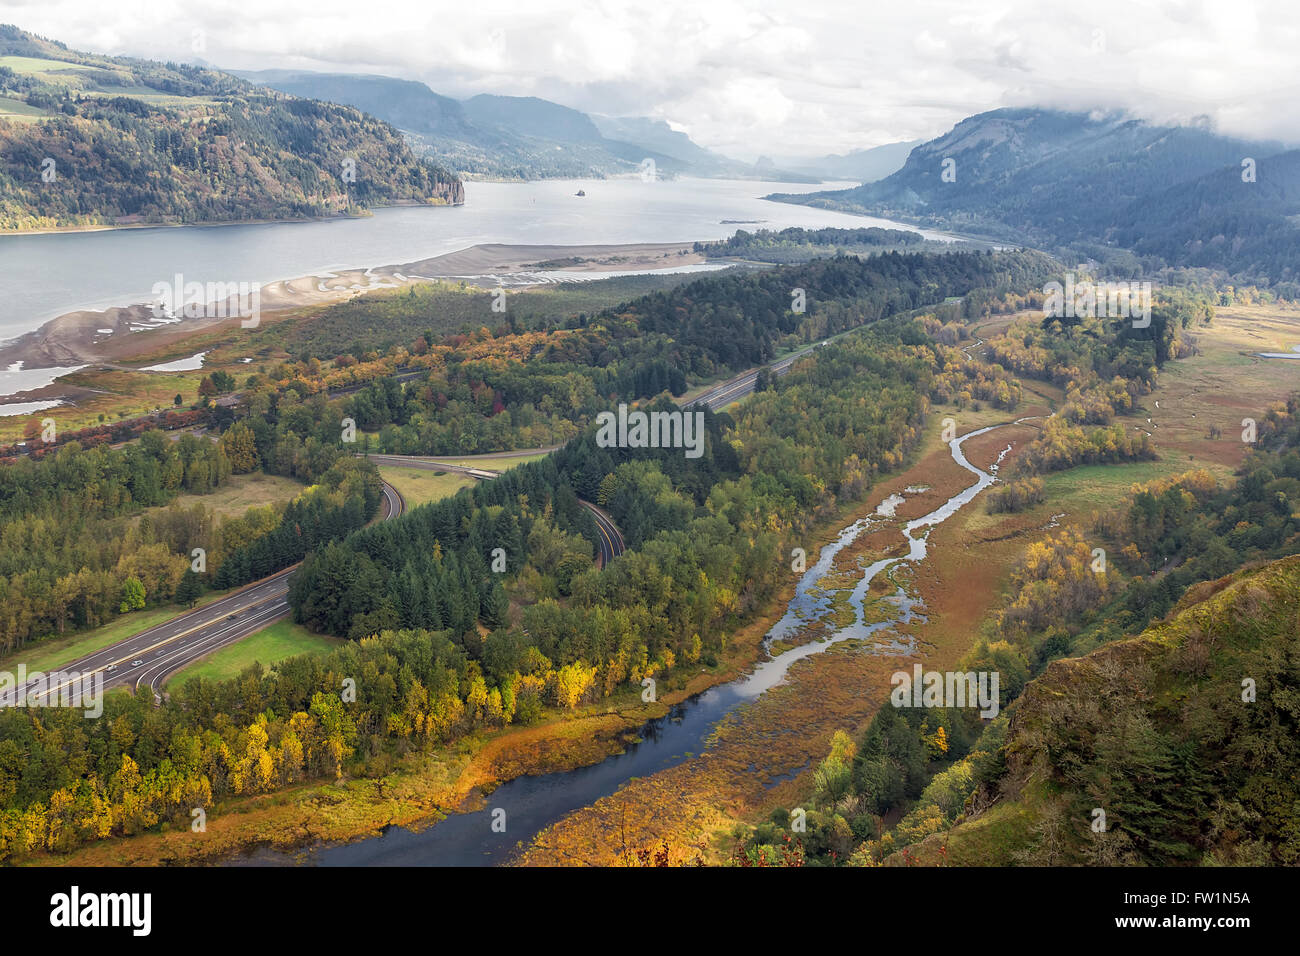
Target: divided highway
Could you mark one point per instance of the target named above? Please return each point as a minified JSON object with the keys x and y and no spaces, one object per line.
{"x":147,"y":659}
{"x":733,"y":390}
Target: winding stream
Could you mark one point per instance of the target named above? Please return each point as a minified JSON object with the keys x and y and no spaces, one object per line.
{"x":533,"y":803}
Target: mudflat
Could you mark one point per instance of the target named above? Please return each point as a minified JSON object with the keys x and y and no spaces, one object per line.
{"x":121,"y":333}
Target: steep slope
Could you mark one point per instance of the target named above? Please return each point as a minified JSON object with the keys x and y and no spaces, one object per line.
{"x":114,"y":140}
{"x":407,"y":104}
{"x":1161,"y":733}
{"x":1239,"y":219}
{"x":513,"y":137}
{"x":531,"y":116}
{"x":1044,"y":175}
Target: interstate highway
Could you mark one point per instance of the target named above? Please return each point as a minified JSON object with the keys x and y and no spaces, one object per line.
{"x":148,"y":658}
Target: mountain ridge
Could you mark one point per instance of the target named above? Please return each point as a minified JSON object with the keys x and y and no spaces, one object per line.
{"x":97,"y":140}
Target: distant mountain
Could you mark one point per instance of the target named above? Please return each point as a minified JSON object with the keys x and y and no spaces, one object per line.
{"x":95,"y":140}
{"x":530,"y":116}
{"x":1245,"y":224}
{"x":1092,"y":182}
{"x":859,"y":165}
{"x":658,"y":136}
{"x":406,"y":104}
{"x":513,"y":137}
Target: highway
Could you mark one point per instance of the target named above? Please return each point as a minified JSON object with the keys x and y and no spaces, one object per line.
{"x":733,"y":390}
{"x":147,"y":659}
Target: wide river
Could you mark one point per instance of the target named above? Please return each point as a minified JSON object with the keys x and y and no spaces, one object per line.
{"x":530,"y":804}
{"x":44,"y":276}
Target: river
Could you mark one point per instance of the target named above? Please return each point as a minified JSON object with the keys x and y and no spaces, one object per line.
{"x":530,"y":804}
{"x":45,"y":276}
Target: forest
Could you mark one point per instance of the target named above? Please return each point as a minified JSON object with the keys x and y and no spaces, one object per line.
{"x":93,"y":532}
{"x":135,"y":141}
{"x":932,"y":769}
{"x":795,"y":244}
{"x":706,"y":546}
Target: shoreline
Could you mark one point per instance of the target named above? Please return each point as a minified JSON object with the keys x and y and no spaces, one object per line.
{"x":283,"y":827}
{"x":119,"y":334}
{"x":118,"y":227}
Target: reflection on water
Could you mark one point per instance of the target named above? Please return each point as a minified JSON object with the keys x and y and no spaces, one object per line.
{"x":533,"y":803}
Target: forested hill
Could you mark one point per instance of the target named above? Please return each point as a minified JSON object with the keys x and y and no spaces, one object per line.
{"x":1185,"y":737}
{"x":95,"y":140}
{"x":1098,"y":185}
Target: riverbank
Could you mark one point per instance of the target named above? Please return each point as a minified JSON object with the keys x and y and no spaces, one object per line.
{"x":126,"y":333}
{"x":422,"y":789}
{"x":125,"y":226}
{"x":762,"y":755}
{"x":751,"y":752}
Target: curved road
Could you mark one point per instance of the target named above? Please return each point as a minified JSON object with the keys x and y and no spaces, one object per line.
{"x":148,"y":658}
{"x":610,"y":540}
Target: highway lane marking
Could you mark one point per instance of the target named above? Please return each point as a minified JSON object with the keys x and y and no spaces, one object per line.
{"x":142,"y":651}
{"x":270,"y":581}
{"x":207,"y":644}
{"x":213,"y":642}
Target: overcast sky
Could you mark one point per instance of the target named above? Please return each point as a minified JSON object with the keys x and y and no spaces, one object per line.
{"x":782,"y":77}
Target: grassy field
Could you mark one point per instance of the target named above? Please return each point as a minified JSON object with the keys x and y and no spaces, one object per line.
{"x":280,"y":641}
{"x":490,"y":464}
{"x":1226,"y":383}
{"x":18,"y":111}
{"x":121,"y":394}
{"x":419,"y":487}
{"x":30,"y":65}
{"x":242,"y":492}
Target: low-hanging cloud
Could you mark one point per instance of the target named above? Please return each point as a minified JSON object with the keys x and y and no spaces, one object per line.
{"x":780,"y":78}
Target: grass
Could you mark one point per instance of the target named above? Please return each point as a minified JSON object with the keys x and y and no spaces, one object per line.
{"x":18,"y":111}
{"x":152,"y":97}
{"x":57,"y":651}
{"x":121,"y":394}
{"x":28,"y":65}
{"x":419,"y":486}
{"x":489,"y":464}
{"x":1100,"y":487}
{"x":272,"y":644}
{"x":240,"y":493}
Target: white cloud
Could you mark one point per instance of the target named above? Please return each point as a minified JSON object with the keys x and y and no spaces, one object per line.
{"x":769,"y":76}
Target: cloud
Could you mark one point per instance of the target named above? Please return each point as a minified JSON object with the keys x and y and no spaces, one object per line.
{"x":794,"y":77}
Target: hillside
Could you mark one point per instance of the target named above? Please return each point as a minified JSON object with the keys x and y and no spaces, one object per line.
{"x":1154,"y":731}
{"x":1089,"y":182}
{"x":1223,"y":221}
{"x":91,"y":140}
{"x":514,"y":137}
